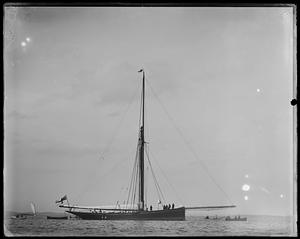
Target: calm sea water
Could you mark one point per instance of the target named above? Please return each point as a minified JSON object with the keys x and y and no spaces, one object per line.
{"x":193,"y":226}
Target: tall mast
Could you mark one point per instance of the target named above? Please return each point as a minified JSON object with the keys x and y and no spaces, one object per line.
{"x":142,"y":143}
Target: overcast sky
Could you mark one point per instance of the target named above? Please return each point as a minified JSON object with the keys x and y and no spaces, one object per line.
{"x":72,"y":93}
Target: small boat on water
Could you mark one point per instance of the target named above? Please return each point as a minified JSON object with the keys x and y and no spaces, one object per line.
{"x":23,"y":216}
{"x":19,"y":216}
{"x":236,"y":218}
{"x":58,"y":218}
{"x":214,"y":218}
{"x":33,"y":209}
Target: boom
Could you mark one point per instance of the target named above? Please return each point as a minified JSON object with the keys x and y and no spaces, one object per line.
{"x":210,"y":207}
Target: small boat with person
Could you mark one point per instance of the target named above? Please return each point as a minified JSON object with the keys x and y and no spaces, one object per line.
{"x":214,"y":218}
{"x":19,"y":216}
{"x":22,"y":216}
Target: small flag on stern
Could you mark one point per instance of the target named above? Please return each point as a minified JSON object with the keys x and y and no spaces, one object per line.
{"x":62,"y":199}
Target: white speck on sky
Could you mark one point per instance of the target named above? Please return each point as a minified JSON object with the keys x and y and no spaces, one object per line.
{"x":246,"y":187}
{"x":264,"y":190}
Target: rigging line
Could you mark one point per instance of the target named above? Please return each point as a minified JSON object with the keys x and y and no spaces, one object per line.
{"x":135,"y":189}
{"x":131,"y":198}
{"x":126,"y":189}
{"x":130,"y":194}
{"x":133,"y":172}
{"x":135,"y":185}
{"x":133,"y":168}
{"x":155,"y":177}
{"x":157,"y":190}
{"x":141,"y":107}
{"x":135,"y":182}
{"x":147,"y":182}
{"x":146,"y":125}
{"x":116,"y":129}
{"x":133,"y":193}
{"x":132,"y":186}
{"x":146,"y":186}
{"x":161,"y":195}
{"x":156,"y":161}
{"x":131,"y":178}
{"x":187,"y":144}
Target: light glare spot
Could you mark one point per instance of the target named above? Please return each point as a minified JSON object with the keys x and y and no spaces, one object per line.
{"x":28,"y":39}
{"x":246,"y":198}
{"x":246,"y":176}
{"x":246,"y":187}
{"x":258,"y":90}
{"x":23,"y":43}
{"x":281,"y":195}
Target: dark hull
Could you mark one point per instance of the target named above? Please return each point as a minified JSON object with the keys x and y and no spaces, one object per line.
{"x":177,"y":214}
{"x":58,"y":218}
